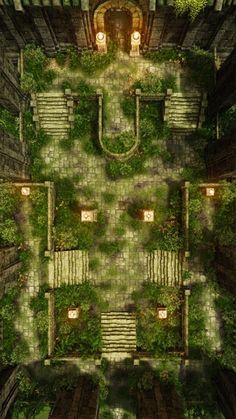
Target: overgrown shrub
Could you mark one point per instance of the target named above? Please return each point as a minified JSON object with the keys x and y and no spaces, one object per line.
{"x":165,"y":237}
{"x":120,"y":143}
{"x":9,"y":123}
{"x":9,"y":203}
{"x":155,"y":335}
{"x":193,"y":7}
{"x":61,"y":59}
{"x":165,"y":54}
{"x":14,"y":349}
{"x":39,"y":213}
{"x":39,"y":306}
{"x":227,"y":120}
{"x":116,"y":169}
{"x":36,"y":78}
{"x":153,"y":84}
{"x":91,"y":62}
{"x":82,"y":336}
{"x":111,"y":247}
{"x":201,"y":64}
{"x":225,"y":219}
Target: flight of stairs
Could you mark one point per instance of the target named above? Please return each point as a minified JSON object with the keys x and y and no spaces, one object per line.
{"x":69,"y":267}
{"x":118,"y":335}
{"x":184,"y":112}
{"x":53,"y":113}
{"x":165,"y":268}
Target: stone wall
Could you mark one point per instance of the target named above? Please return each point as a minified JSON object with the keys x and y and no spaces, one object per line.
{"x":9,"y":268}
{"x":56,"y":27}
{"x":8,"y":389}
{"x":13,"y":160}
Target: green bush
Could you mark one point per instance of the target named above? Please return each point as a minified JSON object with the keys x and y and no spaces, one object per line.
{"x":9,"y":230}
{"x":39,"y":213}
{"x":227,"y":120}
{"x":164,"y":54}
{"x":154,"y":335}
{"x":120,"y":143}
{"x":36,"y":77}
{"x":128,"y":106}
{"x":193,"y":7}
{"x":9,"y":123}
{"x":165,"y":237}
{"x":111,"y":247}
{"x":14,"y":349}
{"x":39,"y":306}
{"x":201,"y":64}
{"x":116,"y":169}
{"x":91,"y":62}
{"x":198,"y":340}
{"x":61,"y":59}
{"x":109,"y":197}
{"x":153,"y":84}
{"x":82,"y":336}
{"x":224,"y":219}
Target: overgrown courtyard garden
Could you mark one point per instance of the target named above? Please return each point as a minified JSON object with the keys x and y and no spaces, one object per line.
{"x":77,"y":100}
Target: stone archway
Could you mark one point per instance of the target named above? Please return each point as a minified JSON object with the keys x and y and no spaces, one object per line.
{"x":136,"y":12}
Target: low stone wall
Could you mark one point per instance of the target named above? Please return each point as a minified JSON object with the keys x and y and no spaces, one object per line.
{"x":9,"y":268}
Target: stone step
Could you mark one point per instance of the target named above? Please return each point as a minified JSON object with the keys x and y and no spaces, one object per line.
{"x":50,"y":94}
{"x":52,"y":112}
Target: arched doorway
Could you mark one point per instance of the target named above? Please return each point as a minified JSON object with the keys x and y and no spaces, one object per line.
{"x":121,"y":13}
{"x":118,"y":27}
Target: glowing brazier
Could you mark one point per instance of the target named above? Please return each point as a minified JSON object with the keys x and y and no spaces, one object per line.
{"x":162,"y":313}
{"x":210,"y":192}
{"x":146,"y":215}
{"x":73,"y":313}
{"x":89,"y":216}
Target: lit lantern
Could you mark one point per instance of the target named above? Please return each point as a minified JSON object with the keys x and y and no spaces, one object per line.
{"x":25,"y":190}
{"x":210,"y":192}
{"x":73,"y":313}
{"x":101,"y":42}
{"x":147,"y":215}
{"x":162,"y":313}
{"x":135,"y":44}
{"x":89,"y":216}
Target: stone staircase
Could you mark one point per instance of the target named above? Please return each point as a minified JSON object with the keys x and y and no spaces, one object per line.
{"x":184,"y":112}
{"x":118,"y":334}
{"x":53,"y":113}
{"x":69,"y":267}
{"x":165,"y":268}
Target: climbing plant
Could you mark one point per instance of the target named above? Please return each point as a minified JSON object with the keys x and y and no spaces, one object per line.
{"x":9,"y":123}
{"x":193,"y":7}
{"x":9,"y":205}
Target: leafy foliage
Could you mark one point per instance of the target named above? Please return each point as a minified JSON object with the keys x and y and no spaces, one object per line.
{"x":165,"y":54}
{"x":193,"y":7}
{"x":39,"y":213}
{"x":116,"y":169}
{"x":82,"y":336}
{"x":166,"y":237}
{"x":36,"y":140}
{"x":198,"y":341}
{"x":227,"y":120}
{"x":91,"y":62}
{"x":155,"y":335}
{"x":152,"y":84}
{"x":36,"y":78}
{"x":9,"y":202}
{"x":9,"y":123}
{"x":39,"y":305}
{"x":224,"y":221}
{"x":14,"y":349}
{"x":111,"y":247}
{"x":120,"y":143}
{"x":201,"y":64}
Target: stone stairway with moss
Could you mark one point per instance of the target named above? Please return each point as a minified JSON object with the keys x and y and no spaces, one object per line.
{"x":165,"y":268}
{"x":118,"y":335}
{"x":185,"y":112}
{"x":70,"y":267}
{"x":53,"y":113}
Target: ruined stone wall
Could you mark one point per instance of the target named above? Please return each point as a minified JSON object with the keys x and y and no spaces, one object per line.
{"x":55,"y":27}
{"x":9,"y":268}
{"x":13,"y":161}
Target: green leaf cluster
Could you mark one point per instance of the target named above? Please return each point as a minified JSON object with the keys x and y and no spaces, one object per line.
{"x":36,"y":78}
{"x":9,"y":123}
{"x":9,"y":203}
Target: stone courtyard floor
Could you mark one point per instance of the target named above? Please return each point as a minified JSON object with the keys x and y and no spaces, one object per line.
{"x":117,"y":276}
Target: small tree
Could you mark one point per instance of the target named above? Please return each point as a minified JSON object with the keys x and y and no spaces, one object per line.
{"x":193,"y":7}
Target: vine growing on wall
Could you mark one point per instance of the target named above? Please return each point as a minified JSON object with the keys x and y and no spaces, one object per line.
{"x":193,"y":7}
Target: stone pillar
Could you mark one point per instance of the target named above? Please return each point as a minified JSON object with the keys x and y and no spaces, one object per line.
{"x":186,"y":322}
{"x":42,"y":23}
{"x":11,"y":94}
{"x":51,"y":322}
{"x":224,"y":95}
